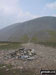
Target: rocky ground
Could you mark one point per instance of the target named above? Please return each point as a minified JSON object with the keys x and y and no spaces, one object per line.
{"x":45,"y":59}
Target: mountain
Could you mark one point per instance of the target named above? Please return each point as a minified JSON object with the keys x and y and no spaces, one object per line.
{"x":39,"y":29}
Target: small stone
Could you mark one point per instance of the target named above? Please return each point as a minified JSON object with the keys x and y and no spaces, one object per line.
{"x":4,"y":66}
{"x":7,"y":69}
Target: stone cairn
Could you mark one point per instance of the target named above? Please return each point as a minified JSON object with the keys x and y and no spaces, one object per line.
{"x":23,"y":53}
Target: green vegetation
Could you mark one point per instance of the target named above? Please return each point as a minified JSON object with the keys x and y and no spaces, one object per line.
{"x":25,"y":38}
{"x":9,"y":45}
{"x":7,"y":70}
{"x":51,"y":44}
{"x":34,"y":39}
{"x":53,"y":35}
{"x":52,"y":32}
{"x":16,"y":72}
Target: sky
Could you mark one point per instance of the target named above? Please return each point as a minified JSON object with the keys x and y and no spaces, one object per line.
{"x":16,"y":11}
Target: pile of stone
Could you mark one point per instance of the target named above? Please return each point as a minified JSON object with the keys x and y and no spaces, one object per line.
{"x":23,"y":53}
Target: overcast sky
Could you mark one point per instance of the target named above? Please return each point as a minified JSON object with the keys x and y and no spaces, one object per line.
{"x":13,"y":11}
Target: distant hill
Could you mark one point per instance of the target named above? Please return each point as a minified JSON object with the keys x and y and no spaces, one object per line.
{"x":39,"y":29}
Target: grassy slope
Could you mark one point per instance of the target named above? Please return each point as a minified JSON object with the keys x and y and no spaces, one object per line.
{"x":6,"y":45}
{"x":50,"y":42}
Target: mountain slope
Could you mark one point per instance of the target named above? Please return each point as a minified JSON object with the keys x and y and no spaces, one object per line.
{"x":39,"y":29}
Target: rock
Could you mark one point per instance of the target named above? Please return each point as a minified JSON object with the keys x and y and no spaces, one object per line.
{"x":31,"y":58}
{"x":22,"y":53}
{"x":4,"y":67}
{"x":7,"y":69}
{"x":24,"y":57}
